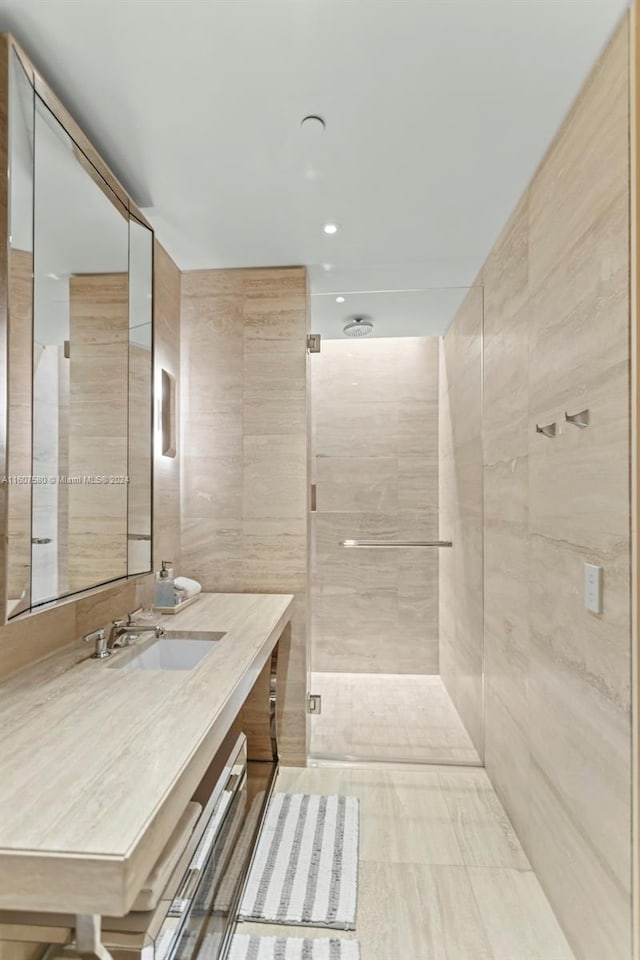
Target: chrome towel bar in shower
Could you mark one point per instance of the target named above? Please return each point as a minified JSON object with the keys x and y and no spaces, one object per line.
{"x":395,"y":543}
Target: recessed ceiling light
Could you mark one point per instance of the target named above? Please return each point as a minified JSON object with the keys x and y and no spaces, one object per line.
{"x":330,"y":228}
{"x":339,"y":299}
{"x":313,"y":124}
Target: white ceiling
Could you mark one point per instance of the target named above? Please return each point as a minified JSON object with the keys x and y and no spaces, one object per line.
{"x":77,"y":228}
{"x":401,"y":313}
{"x":437,"y":114}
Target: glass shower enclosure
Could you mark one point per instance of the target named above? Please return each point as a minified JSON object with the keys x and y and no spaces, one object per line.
{"x":396,"y":533}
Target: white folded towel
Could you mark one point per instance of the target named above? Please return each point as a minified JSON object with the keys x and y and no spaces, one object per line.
{"x":190,"y":588}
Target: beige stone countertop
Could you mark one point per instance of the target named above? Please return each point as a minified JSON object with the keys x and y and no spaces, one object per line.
{"x":97,"y":764}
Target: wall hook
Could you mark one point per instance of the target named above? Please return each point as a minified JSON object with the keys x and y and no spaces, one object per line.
{"x":578,"y":419}
{"x":548,"y":430}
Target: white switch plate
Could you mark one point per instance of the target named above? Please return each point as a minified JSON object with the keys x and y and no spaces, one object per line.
{"x":592,"y":588}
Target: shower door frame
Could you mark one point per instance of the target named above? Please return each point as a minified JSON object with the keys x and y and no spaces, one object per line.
{"x":634,"y":106}
{"x":381,"y":761}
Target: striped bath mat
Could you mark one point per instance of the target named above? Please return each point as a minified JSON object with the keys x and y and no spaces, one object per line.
{"x":288,"y":948}
{"x":305,"y":870}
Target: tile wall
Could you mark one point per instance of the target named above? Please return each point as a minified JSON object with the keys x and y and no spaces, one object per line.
{"x":244,"y":446}
{"x":166,"y":332}
{"x":375,"y":444}
{"x":99,"y":332}
{"x":461,"y":517}
{"x":556,"y":328}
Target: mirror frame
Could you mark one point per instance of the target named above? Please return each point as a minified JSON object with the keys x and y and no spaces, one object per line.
{"x":105,"y":179}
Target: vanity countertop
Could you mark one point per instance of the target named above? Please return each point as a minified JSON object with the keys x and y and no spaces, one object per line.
{"x":97,"y":764}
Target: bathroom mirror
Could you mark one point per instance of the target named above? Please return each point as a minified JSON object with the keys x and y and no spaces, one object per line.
{"x":140,"y":391}
{"x":19,"y":340}
{"x":80,"y":354}
{"x":80,"y":368}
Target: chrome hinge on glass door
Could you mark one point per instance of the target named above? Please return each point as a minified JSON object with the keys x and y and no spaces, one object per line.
{"x":314,"y":341}
{"x":314,"y":703}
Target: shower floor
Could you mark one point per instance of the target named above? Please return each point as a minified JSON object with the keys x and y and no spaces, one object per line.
{"x":401,"y":717}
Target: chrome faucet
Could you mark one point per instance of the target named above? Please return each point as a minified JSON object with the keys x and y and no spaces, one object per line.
{"x":122,"y":634}
{"x":98,"y":637}
{"x":125,"y":632}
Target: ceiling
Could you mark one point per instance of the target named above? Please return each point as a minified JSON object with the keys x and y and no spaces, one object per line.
{"x":400,"y":313}
{"x":437,"y":113}
{"x":77,"y":227}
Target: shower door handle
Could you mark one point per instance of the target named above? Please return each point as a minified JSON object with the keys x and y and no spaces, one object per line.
{"x":395,"y":543}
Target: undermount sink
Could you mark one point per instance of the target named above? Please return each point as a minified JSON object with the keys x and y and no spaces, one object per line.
{"x":176,"y":650}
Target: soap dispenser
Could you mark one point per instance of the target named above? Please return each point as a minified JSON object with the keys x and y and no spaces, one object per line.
{"x":165,"y":589}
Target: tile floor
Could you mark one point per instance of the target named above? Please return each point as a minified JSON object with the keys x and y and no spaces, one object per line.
{"x":442,"y":874}
{"x":399,"y":717}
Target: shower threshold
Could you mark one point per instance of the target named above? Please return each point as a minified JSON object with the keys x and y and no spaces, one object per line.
{"x":388,"y":718}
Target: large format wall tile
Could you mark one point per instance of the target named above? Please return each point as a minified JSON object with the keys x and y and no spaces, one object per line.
{"x":214,"y":548}
{"x":593,"y":908}
{"x":506,"y":517}
{"x":166,"y":474}
{"x":506,"y":386}
{"x":587,"y":163}
{"x":460,"y":481}
{"x":275,"y":476}
{"x":354,"y":484}
{"x":375,"y":443}
{"x":97,"y":515}
{"x":557,"y":678}
{"x":580,"y":741}
{"x":356,"y":428}
{"x":245,"y":475}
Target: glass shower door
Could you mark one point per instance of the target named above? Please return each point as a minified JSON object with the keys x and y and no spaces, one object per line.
{"x":396,"y":555}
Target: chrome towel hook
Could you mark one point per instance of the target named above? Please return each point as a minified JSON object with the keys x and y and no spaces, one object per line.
{"x":580,"y":420}
{"x":548,"y":430}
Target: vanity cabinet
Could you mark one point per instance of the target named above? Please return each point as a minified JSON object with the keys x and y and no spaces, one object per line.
{"x":114,"y":783}
{"x":188,"y":910}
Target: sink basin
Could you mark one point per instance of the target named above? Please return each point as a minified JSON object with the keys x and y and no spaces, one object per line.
{"x":177,"y":650}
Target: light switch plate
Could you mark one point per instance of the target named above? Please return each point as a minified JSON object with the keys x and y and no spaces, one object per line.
{"x":592,"y":588}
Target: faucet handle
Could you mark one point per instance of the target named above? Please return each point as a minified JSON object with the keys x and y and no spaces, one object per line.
{"x":100,"y":639}
{"x":131,"y":616}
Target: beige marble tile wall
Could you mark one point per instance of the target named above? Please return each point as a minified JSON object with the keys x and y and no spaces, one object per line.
{"x":166,"y":346}
{"x":244,"y":443}
{"x":99,"y":338}
{"x":139,"y":507}
{"x":461,"y":567}
{"x":375,"y":442}
{"x":36,"y":636}
{"x":19,"y":426}
{"x":64,"y":400}
{"x":558,"y":730}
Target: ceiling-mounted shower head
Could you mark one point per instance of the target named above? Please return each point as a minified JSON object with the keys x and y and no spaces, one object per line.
{"x":358,"y":327}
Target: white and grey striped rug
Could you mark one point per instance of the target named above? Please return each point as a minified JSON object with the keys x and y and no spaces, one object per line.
{"x":288,"y":948}
{"x":305,"y":869}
